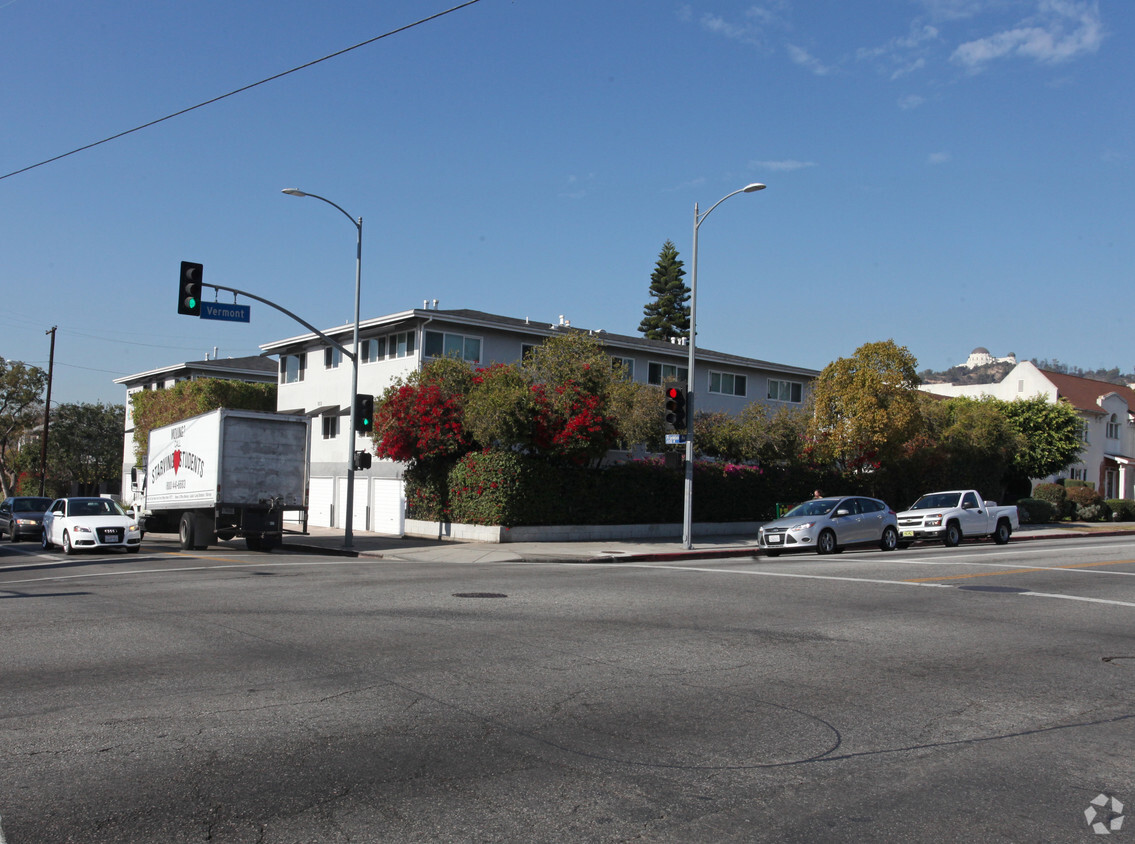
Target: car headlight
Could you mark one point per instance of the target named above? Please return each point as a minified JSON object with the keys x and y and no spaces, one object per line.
{"x":80,"y":529}
{"x":802,"y":526}
{"x":933,"y":521}
{"x":25,"y":522}
{"x":133,"y":528}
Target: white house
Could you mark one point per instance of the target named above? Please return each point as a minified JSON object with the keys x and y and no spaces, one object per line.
{"x":1107,"y":411}
{"x":256,"y":369}
{"x":315,"y":379}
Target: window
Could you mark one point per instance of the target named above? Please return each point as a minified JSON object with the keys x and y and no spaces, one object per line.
{"x":372,"y":349}
{"x":657,"y":373}
{"x":1078,"y":473}
{"x":727,"y":384}
{"x":438,"y":344}
{"x":401,"y":344}
{"x":1084,"y":431}
{"x":330,"y":427}
{"x":292,"y":368}
{"x":792,"y":391}
{"x":627,"y":365}
{"x":1113,"y":428}
{"x":331,"y":358}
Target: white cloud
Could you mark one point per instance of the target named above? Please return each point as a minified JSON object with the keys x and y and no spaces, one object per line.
{"x":1061,"y":30}
{"x":806,"y":60}
{"x":782,"y":166}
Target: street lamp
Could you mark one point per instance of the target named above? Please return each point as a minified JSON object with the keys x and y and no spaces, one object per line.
{"x":688,"y":502}
{"x":348,"y":522}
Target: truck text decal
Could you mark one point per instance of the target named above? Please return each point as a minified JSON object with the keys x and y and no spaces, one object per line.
{"x":178,"y":460}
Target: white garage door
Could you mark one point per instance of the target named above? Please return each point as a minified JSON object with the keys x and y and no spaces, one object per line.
{"x":321,"y":498}
{"x":359,"y":519}
{"x":388,"y":507}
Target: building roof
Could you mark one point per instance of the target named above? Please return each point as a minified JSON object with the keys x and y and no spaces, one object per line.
{"x":255,"y":366}
{"x":1085,"y":393}
{"x":466,"y":317}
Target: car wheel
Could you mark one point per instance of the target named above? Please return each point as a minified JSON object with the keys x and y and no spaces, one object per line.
{"x":953,"y":535}
{"x":67,"y":548}
{"x":45,"y":541}
{"x":185,"y":531}
{"x":13,"y":536}
{"x":826,"y":544}
{"x":1002,"y":534}
{"x":890,"y":540}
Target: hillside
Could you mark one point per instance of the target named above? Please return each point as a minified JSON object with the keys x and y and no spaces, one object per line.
{"x":995,"y":372}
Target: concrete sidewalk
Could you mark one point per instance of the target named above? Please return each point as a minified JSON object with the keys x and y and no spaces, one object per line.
{"x":330,"y":541}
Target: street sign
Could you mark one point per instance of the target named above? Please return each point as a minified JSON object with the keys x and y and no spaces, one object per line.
{"x":675,"y":439}
{"x":228,"y":313}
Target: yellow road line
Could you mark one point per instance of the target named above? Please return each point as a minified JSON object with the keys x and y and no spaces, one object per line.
{"x":1019,"y":571}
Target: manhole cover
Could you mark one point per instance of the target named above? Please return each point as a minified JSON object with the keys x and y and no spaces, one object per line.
{"x":479,"y":595}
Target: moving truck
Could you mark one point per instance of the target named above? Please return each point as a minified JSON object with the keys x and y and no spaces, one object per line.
{"x":224,"y":474}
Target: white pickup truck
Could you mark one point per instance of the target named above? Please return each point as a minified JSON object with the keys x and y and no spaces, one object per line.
{"x":950,"y":517}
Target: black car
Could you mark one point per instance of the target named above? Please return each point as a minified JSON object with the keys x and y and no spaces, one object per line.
{"x":22,"y":515}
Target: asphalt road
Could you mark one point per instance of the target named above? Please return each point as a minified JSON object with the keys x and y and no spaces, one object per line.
{"x":975,"y":694}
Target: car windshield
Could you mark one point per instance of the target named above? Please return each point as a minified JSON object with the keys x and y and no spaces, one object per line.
{"x":95,"y":507}
{"x":936,"y":501}
{"x":816,"y":507}
{"x":30,"y":505}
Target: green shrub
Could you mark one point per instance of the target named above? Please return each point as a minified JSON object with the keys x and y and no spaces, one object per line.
{"x":1122,"y":509}
{"x":1057,"y":496}
{"x":1093,"y":512}
{"x":1036,"y":511}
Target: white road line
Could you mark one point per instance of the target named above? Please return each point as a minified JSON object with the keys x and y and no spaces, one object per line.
{"x":778,"y":574}
{"x":1069,"y":598}
{"x":2,"y":831}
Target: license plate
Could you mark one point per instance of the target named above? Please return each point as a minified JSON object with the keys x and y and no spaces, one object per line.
{"x":774,"y":539}
{"x":908,"y":533}
{"x":112,"y":536}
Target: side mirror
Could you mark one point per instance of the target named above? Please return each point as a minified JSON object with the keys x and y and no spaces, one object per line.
{"x":839,"y":513}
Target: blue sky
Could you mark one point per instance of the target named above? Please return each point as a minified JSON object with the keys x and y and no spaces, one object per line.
{"x":944,"y":173}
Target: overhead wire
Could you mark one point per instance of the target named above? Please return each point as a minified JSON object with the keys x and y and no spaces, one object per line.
{"x":241,"y":89}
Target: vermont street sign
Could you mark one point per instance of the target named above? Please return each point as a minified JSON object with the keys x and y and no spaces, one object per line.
{"x":229,"y":313}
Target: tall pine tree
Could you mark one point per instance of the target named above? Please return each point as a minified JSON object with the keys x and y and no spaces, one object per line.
{"x":669,"y":314}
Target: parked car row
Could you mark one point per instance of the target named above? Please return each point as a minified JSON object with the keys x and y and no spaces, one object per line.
{"x":73,"y":524}
{"x":828,"y":525}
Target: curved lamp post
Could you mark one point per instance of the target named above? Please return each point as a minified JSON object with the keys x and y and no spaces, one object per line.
{"x":688,"y":502}
{"x":348,"y":521}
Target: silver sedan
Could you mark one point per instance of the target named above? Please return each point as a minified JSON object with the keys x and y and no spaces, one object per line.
{"x":828,"y":525}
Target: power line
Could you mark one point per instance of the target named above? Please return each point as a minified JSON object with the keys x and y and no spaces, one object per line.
{"x":241,"y":90}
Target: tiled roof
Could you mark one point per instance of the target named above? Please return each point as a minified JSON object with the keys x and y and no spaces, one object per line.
{"x":1084,"y":393}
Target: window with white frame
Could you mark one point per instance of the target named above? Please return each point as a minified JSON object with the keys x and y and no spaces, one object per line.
{"x":372,"y":349}
{"x":292,"y":368}
{"x":1084,"y":431}
{"x":330,"y":426}
{"x":727,"y":384}
{"x":790,"y":391}
{"x":659,"y":373}
{"x":401,"y":344}
{"x":444,"y":344}
{"x":1078,"y":473}
{"x":331,"y":358}
{"x":626,"y":364}
{"x":1113,"y":428}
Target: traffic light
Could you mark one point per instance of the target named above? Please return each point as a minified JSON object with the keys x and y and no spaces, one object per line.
{"x":675,"y":409}
{"x":364,"y":414}
{"x":362,"y":459}
{"x":189,"y":289}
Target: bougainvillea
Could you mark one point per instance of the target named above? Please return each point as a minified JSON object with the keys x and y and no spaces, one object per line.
{"x":420,"y":422}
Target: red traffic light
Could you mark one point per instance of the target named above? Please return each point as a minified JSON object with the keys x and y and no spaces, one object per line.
{"x":673,"y":393}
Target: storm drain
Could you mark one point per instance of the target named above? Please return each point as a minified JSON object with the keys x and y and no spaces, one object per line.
{"x":479,"y":595}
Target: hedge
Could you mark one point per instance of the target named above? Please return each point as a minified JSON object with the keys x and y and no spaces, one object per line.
{"x":508,"y":489}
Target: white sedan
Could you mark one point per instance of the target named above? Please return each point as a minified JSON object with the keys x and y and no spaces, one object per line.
{"x":95,"y":523}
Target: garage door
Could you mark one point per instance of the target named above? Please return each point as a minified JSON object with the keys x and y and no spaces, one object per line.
{"x":321,"y":499}
{"x":388,"y":507}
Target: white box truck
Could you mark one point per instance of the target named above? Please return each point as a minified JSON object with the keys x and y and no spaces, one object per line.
{"x":224,"y":474}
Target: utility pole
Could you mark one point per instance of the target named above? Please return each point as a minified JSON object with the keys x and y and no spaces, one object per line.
{"x":47,"y":414}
